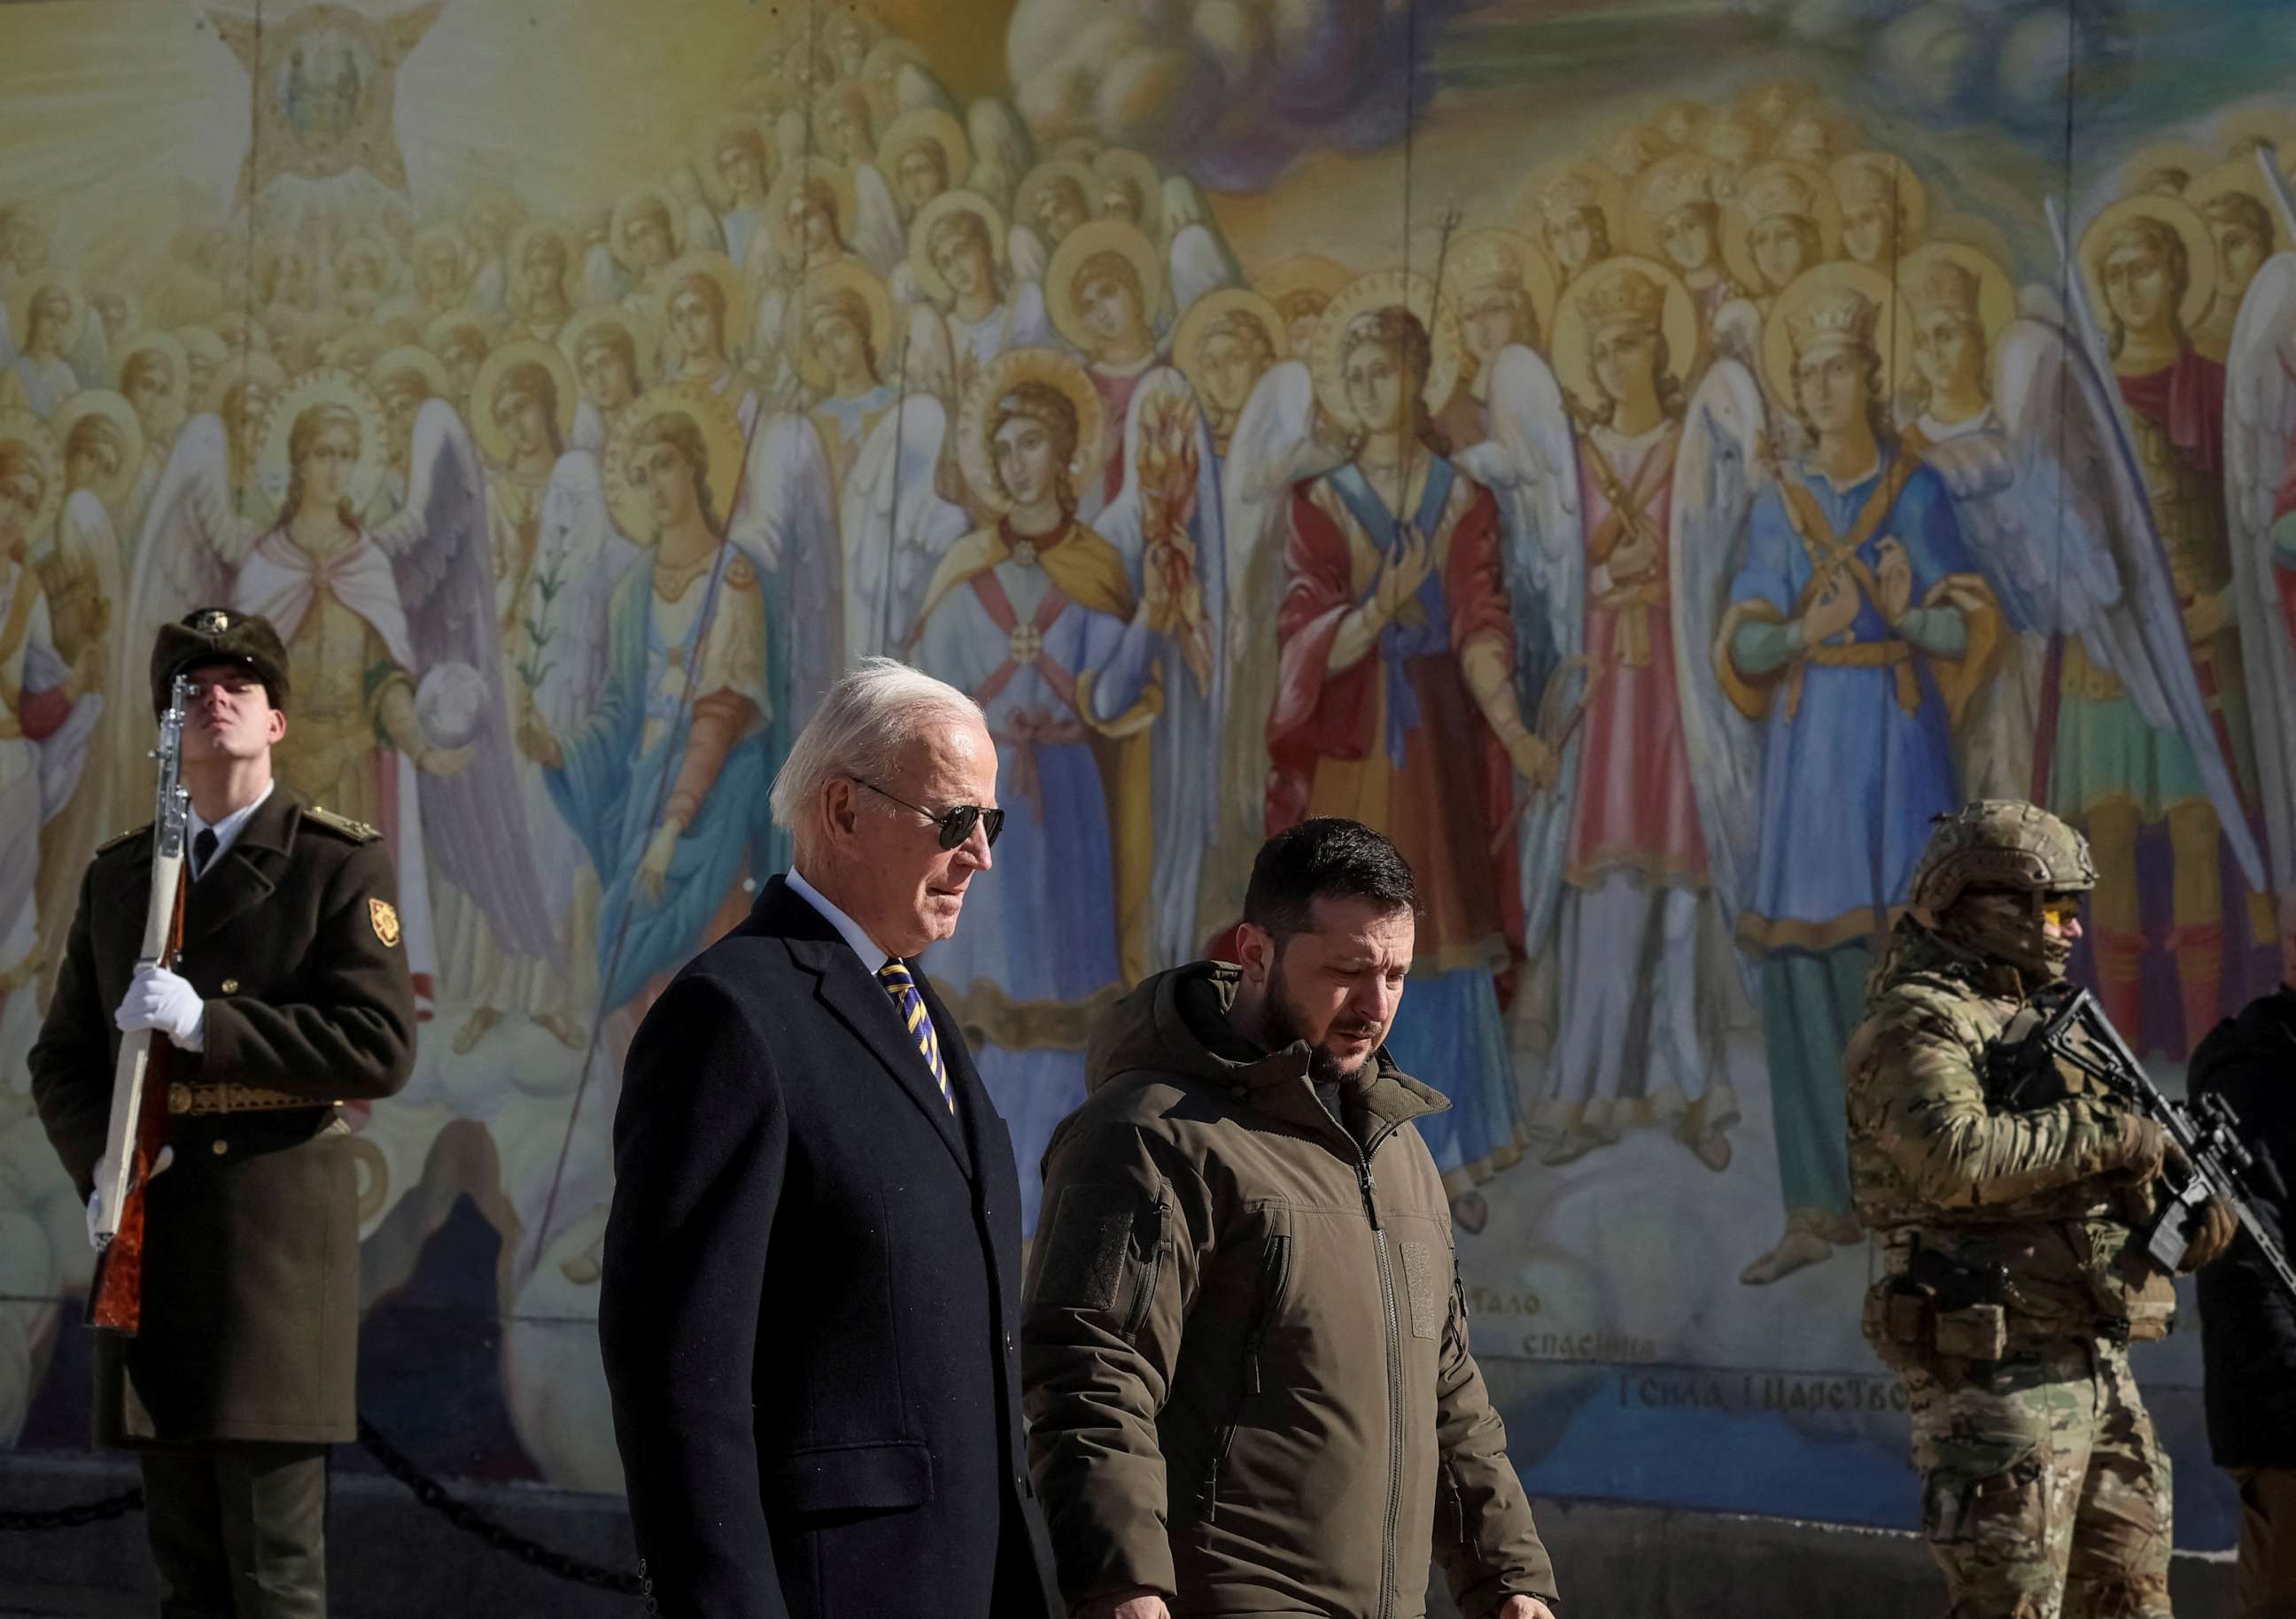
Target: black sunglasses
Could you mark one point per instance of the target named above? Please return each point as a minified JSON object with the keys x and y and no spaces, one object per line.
{"x":955,"y":824}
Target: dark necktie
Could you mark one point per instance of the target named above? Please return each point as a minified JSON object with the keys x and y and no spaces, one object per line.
{"x":203,"y":852}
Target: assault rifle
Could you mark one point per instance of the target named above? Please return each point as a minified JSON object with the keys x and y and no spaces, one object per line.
{"x":2078,"y":1032}
{"x":138,"y":1126}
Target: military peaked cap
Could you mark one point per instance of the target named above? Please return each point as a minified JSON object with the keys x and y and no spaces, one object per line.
{"x":219,"y":635}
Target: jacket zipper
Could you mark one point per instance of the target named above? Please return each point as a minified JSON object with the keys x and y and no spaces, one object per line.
{"x":1275,"y":1272}
{"x":1395,"y":1415}
{"x":1147,"y":1295}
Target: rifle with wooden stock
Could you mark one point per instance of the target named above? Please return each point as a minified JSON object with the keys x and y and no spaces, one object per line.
{"x":138,"y":1128}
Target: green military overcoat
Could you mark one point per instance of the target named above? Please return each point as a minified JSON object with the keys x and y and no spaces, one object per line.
{"x":251,"y":1279}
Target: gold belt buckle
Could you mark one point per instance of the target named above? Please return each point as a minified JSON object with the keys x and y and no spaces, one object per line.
{"x":179,"y":1097}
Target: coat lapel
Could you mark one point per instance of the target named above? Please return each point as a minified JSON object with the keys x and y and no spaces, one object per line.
{"x":853,"y":996}
{"x":241,"y":878}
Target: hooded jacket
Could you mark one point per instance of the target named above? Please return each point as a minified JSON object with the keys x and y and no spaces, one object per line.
{"x":1245,"y":1345}
{"x":2248,"y":1331}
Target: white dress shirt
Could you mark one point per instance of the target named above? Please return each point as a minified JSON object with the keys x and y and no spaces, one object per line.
{"x":226,"y":831}
{"x":872,"y":956}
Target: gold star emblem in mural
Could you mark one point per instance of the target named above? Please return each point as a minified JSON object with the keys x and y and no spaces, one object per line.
{"x":323,"y":81}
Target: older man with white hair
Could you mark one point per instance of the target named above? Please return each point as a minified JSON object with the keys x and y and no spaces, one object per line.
{"x":812,"y":1269}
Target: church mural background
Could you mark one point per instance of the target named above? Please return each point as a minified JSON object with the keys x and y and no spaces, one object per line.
{"x":1461,"y":417}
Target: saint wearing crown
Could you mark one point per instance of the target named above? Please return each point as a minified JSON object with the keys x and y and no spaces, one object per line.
{"x":1857,"y":630}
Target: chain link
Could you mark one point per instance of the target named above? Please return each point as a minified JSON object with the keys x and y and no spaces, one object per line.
{"x":432,"y":1494}
{"x":424,"y":1488}
{"x":74,"y":1515}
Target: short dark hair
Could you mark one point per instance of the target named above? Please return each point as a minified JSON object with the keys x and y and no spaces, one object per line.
{"x":1326,"y":858}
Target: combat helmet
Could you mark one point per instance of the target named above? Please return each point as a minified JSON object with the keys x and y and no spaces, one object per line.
{"x":2000,"y":843}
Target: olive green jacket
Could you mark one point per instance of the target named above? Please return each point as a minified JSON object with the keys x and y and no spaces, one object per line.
{"x":251,"y":1271}
{"x":1934,"y":1154}
{"x":1245,"y":1348}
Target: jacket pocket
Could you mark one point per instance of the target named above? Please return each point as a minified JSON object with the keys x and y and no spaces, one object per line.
{"x":884,"y":1475}
{"x":1275,"y":1275}
{"x":1151,"y":1237}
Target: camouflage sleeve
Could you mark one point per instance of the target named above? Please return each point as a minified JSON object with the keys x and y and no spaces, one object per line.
{"x":1919,"y":1071}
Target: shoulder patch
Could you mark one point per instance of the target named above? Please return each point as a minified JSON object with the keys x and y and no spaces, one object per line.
{"x":124,"y":838}
{"x":341,"y":826}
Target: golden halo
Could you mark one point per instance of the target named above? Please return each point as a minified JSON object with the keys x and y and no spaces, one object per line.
{"x":717,"y":268}
{"x":354,"y":347}
{"x":1894,"y":336}
{"x":626,"y":208}
{"x":1538,"y":270}
{"x":921,"y":265}
{"x":643,"y":339}
{"x":1379,"y":290}
{"x":1912,"y":197}
{"x":133,"y":307}
{"x":1301,"y":273}
{"x":722,"y":442}
{"x":1737,"y":231}
{"x":925,"y":126}
{"x":977,"y":413}
{"x":726,"y":132}
{"x":409,"y":358}
{"x":2242,"y":175}
{"x":2192,"y":229}
{"x":452,"y":235}
{"x":1608,"y":194}
{"x":167,"y":344}
{"x":20,"y":310}
{"x":1574,"y":343}
{"x":1209,"y":311}
{"x":1121,"y":165}
{"x":265,"y":372}
{"x":558,"y":230}
{"x":2242,"y":129}
{"x":22,"y":427}
{"x":493,"y":442}
{"x":439,"y":336}
{"x":1974,"y":231}
{"x":1645,"y":214}
{"x":1997,"y":295}
{"x":1088,"y":241}
{"x":1042,"y":178}
{"x":308,"y":392}
{"x":819,"y":284}
{"x":841,"y":191}
{"x":1773,"y":101}
{"x":2140,"y":170}
{"x":115,"y":409}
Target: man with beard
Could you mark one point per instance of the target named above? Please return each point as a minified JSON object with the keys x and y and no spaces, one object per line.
{"x":1245,"y":1346}
{"x":2010,"y":1193}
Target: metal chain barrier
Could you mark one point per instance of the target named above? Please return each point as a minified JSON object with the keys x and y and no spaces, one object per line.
{"x":424,"y":1488}
{"x":75,"y":1515}
{"x":432,"y":1494}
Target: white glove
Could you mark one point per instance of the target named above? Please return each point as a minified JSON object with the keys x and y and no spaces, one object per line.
{"x":103,"y":1178}
{"x":160,"y":1001}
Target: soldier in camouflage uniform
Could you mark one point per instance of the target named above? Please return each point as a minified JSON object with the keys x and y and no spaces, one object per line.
{"x":2012,"y":1287}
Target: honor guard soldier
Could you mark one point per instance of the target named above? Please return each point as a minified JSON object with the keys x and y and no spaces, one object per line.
{"x":2008,"y":1194}
{"x":290,"y":997}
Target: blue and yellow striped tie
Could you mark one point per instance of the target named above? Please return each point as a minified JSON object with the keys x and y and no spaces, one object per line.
{"x":903,"y":988}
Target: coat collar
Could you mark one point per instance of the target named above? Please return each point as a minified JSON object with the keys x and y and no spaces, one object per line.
{"x":852,"y":994}
{"x":246,"y":873}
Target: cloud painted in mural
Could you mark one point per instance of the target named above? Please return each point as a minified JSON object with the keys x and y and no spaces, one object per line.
{"x":1232,"y":89}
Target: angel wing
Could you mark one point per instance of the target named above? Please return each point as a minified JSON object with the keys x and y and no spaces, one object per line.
{"x":1530,"y":465}
{"x":1201,"y":259}
{"x":928,"y":359}
{"x":580,"y":558}
{"x":789,"y":528}
{"x":895,"y":525}
{"x":441,"y":556}
{"x":71,"y":758}
{"x":916,"y":85}
{"x":2261,"y":458}
{"x":1716,"y":474}
{"x":1003,"y":150}
{"x":1274,"y":446}
{"x":194,"y":541}
{"x":877,"y":233}
{"x":2068,"y":530}
{"x":1167,"y":513}
{"x":1027,"y":255}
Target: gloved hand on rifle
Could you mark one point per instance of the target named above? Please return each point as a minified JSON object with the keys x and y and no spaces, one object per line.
{"x":167,"y":1003}
{"x":2144,"y":1151}
{"x":103,"y":1179}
